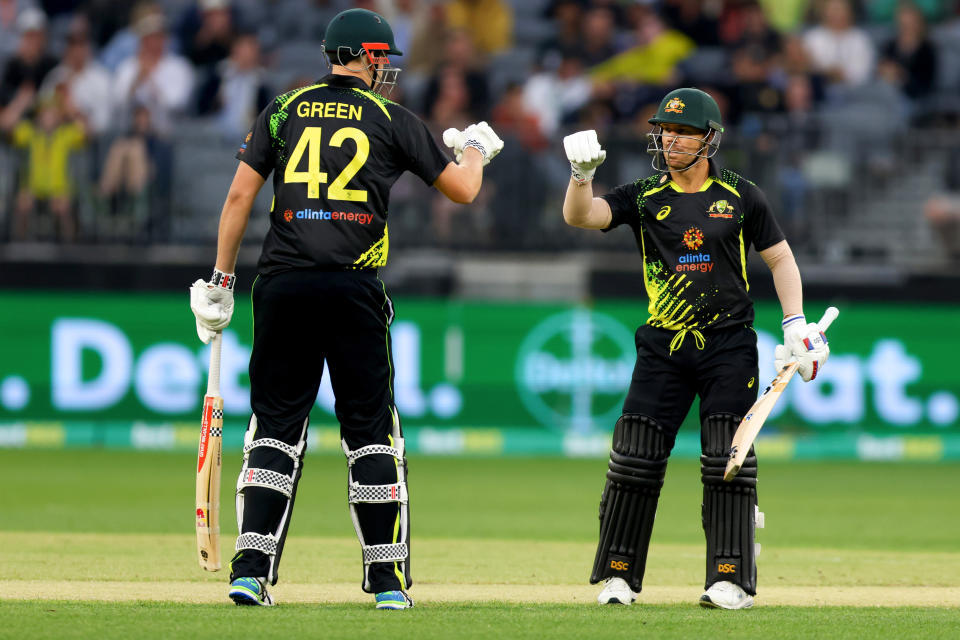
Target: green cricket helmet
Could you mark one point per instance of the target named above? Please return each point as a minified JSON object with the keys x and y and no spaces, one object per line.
{"x":690,"y":107}
{"x":353,"y":32}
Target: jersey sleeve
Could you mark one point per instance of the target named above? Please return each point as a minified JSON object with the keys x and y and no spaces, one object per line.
{"x":418,"y":151}
{"x":623,"y":203}
{"x":760,"y":226}
{"x":256,"y":149}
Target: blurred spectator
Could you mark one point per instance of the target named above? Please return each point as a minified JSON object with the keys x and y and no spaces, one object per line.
{"x":127,"y":169}
{"x":838,"y":48}
{"x":514,"y":117}
{"x":424,"y":56}
{"x":24,"y":72}
{"x":653,"y":57}
{"x":458,"y":93}
{"x":153,"y":77}
{"x":786,"y":16}
{"x":235,"y":91}
{"x":598,"y":36}
{"x":567,"y":17}
{"x":754,"y":32}
{"x":125,"y":41}
{"x":489,"y":23}
{"x":699,"y":20}
{"x":162,"y":82}
{"x":795,"y":60}
{"x":909,"y":60}
{"x":49,"y":139}
{"x":9,"y":37}
{"x":554,"y":95}
{"x":207,"y":32}
{"x":85,"y":80}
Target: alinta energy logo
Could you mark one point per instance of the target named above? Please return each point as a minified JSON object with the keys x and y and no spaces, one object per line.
{"x":333,"y":216}
{"x":573,"y":370}
{"x":693,"y":239}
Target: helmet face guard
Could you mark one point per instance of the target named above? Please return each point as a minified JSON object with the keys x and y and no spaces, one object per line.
{"x":709,"y":144}
{"x":384,"y":75}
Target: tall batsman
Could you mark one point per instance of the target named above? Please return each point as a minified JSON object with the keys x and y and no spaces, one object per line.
{"x":693,"y":223}
{"x":335,"y":148}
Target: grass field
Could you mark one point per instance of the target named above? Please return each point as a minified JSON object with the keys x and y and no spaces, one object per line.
{"x":97,"y":544}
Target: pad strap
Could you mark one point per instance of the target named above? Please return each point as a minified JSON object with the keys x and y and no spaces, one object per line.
{"x":268,"y":479}
{"x":373,"y":449}
{"x":293,"y":452}
{"x":377,"y":492}
{"x":385,"y":552}
{"x":257,"y":541}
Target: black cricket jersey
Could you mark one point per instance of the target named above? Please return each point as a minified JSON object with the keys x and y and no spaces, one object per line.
{"x":335,"y":148}
{"x":694,"y":246}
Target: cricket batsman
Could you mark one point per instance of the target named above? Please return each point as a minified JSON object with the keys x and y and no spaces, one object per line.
{"x":334,"y":149}
{"x":694,"y":223}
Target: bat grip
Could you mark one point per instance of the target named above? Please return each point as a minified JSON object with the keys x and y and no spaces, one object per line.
{"x":213,"y":377}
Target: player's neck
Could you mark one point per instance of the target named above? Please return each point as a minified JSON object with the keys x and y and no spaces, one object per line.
{"x":693,"y":178}
{"x":363,"y":74}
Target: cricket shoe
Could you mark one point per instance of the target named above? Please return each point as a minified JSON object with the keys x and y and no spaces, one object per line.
{"x":616,"y":591}
{"x":726,"y":595}
{"x":393,"y":600}
{"x":250,"y":591}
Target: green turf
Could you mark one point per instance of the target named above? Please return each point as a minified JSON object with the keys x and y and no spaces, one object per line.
{"x":76,"y":516}
{"x":71,"y":620}
{"x":846,"y":505}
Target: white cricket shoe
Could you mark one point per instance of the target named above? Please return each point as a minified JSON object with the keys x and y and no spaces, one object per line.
{"x":726,"y":595}
{"x":616,"y":591}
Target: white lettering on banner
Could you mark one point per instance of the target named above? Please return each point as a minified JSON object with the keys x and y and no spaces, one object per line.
{"x":836,"y":395}
{"x":891,"y":369}
{"x":70,"y":338}
{"x":166,"y":378}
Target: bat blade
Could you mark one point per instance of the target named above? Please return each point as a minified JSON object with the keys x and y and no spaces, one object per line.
{"x":208,"y":483}
{"x":752,"y":423}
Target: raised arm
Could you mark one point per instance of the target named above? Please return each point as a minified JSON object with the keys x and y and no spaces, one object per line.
{"x":580,"y":208}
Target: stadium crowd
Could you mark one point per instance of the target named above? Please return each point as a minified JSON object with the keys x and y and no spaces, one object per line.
{"x":116,"y":117}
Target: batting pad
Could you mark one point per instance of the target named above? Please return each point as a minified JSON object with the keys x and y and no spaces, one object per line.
{"x":380,"y":461}
{"x":277,"y":473}
{"x":730,"y":513}
{"x":638,"y":463}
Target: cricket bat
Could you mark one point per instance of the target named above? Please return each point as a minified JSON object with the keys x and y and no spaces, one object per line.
{"x":209,"y":466}
{"x":752,"y":423}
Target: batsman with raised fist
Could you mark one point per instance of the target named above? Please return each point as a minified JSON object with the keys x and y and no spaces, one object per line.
{"x":334,"y":148}
{"x":694,"y":223}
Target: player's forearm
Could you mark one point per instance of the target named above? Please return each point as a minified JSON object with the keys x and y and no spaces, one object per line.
{"x":577,"y":203}
{"x":461,"y":182}
{"x":786,"y":277}
{"x":233,"y":224}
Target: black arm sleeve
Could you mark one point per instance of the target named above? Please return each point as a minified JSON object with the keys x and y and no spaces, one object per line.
{"x":256,"y":149}
{"x":623,"y":204}
{"x":418,"y":152}
{"x":759,"y":225}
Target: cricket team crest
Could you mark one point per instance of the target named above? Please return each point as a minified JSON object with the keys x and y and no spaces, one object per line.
{"x":674,"y":106}
{"x":693,"y":238}
{"x":721,"y":209}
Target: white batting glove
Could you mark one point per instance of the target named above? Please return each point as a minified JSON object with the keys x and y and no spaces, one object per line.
{"x":480,"y":136}
{"x":802,"y":342}
{"x":212,"y":304}
{"x":584,"y":153}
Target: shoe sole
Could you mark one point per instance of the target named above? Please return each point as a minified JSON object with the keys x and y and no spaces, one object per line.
{"x":707,"y":603}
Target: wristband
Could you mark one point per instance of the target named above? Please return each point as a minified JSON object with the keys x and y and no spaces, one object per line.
{"x":223,"y":280}
{"x":476,"y":145}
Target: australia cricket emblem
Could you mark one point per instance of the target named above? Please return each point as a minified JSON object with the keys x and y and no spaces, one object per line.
{"x":674,"y":106}
{"x":720,"y":209}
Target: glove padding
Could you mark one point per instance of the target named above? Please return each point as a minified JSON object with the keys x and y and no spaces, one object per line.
{"x":802,"y":342}
{"x":480,"y":136}
{"x":584,"y":153}
{"x":213,"y":308}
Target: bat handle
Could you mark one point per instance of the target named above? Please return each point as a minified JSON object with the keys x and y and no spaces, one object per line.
{"x":828,"y":317}
{"x":213,"y":377}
